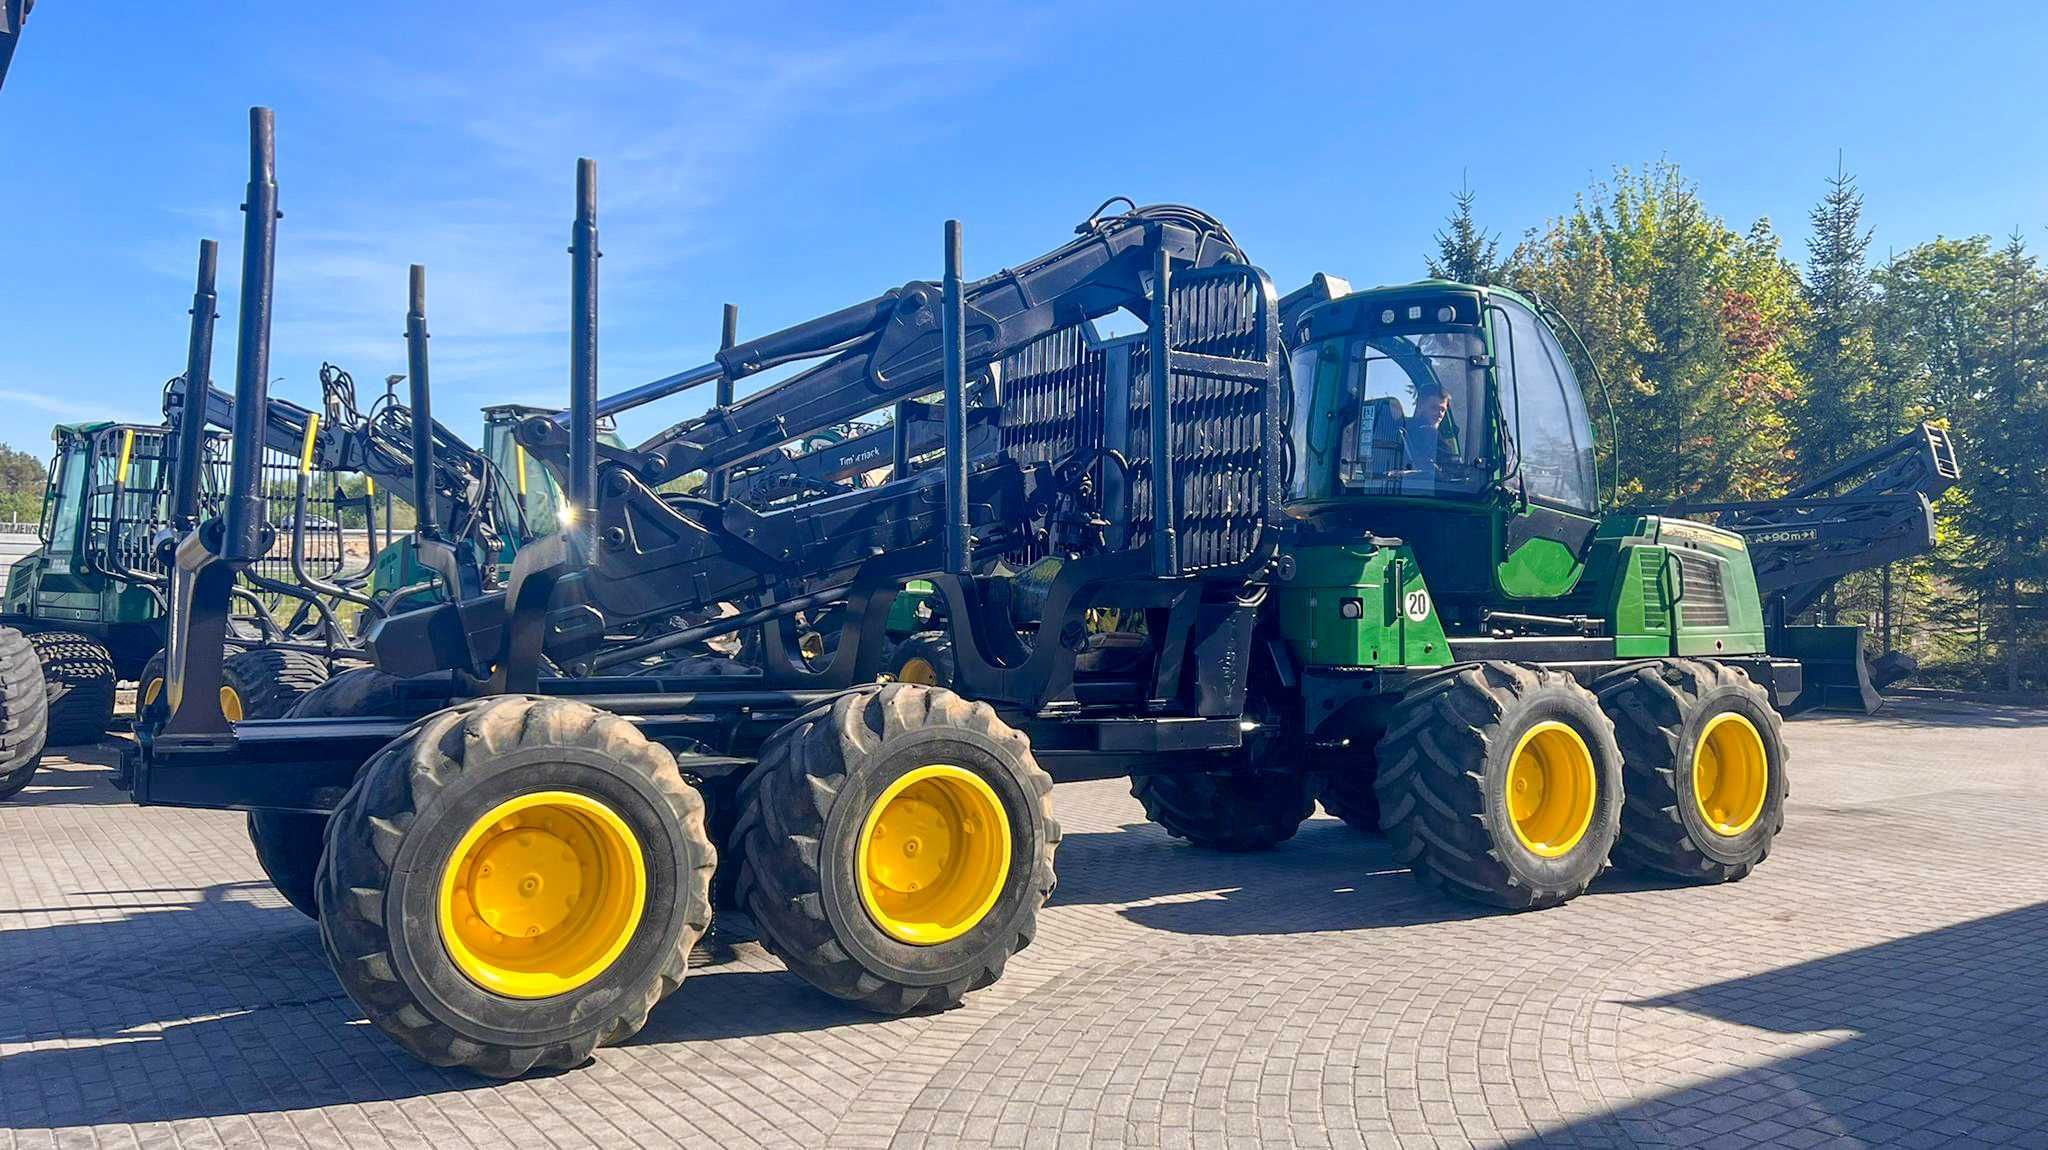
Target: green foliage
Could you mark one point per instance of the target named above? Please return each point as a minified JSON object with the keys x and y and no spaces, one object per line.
{"x":1734,"y":374}
{"x":1465,"y":253}
{"x":1689,"y":322}
{"x":22,"y":480}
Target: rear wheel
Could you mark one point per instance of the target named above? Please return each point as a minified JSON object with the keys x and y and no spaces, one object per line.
{"x":80,"y":676}
{"x":515,"y":882}
{"x":1243,"y":810}
{"x":24,"y":712}
{"x":1705,"y":761}
{"x":289,"y":844}
{"x":896,"y":845}
{"x":925,"y":658}
{"x":266,"y":681}
{"x":1501,"y":783}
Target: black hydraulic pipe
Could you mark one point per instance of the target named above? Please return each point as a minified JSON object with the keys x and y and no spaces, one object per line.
{"x":243,"y":540}
{"x":728,"y":336}
{"x":1165,"y":547}
{"x":827,"y":597}
{"x":952,"y":328}
{"x":422,"y":403}
{"x":191,"y":444}
{"x":583,"y":354}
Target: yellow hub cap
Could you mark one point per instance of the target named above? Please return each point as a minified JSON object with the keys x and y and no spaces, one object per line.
{"x":918,"y":670}
{"x":1552,"y":789}
{"x":542,"y":894}
{"x":230,"y":702}
{"x":1731,"y":774}
{"x":933,"y":855}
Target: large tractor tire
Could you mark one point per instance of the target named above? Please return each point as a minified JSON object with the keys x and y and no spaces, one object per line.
{"x":1703,"y":754}
{"x":1347,"y":790}
{"x":896,"y":845}
{"x":1239,"y":810}
{"x":151,"y":685}
{"x":1501,"y":783}
{"x":289,"y":844}
{"x":266,"y":682}
{"x":515,"y":882}
{"x":80,"y":676}
{"x":925,"y":658}
{"x":24,"y":712}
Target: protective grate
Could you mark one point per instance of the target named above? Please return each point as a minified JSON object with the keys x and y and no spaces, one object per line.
{"x":1704,"y":602}
{"x":125,"y":509}
{"x":1219,"y":416}
{"x":1056,"y":393}
{"x":278,"y":476}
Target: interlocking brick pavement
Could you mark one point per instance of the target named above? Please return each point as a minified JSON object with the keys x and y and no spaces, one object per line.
{"x":1882,"y":979}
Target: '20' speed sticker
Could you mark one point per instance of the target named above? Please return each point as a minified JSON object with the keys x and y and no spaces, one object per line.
{"x":1416,"y":605}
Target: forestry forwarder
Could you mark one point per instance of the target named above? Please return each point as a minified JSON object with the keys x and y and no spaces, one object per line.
{"x":1217,"y":603}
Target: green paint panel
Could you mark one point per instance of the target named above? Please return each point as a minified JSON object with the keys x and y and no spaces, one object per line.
{"x":1539,"y":569}
{"x":1360,"y":605}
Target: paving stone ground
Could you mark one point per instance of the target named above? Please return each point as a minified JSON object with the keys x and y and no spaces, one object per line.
{"x":1883,"y":979}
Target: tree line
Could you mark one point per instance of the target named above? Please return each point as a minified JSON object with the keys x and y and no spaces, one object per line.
{"x":1734,"y":372}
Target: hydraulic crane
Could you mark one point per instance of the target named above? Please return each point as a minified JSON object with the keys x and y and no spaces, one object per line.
{"x":1374,"y":568}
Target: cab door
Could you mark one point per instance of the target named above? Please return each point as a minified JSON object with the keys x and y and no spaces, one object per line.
{"x":1547,"y":461}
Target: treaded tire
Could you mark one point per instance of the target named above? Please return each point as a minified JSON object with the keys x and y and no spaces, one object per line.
{"x":390,"y":841}
{"x":1442,"y":784}
{"x":1228,"y":810}
{"x":802,"y":810}
{"x":1348,"y":794}
{"x":934,"y":649}
{"x":289,"y":844}
{"x":152,"y":672}
{"x":24,"y":712}
{"x":270,"y":681}
{"x":80,"y":676}
{"x":1659,"y":710}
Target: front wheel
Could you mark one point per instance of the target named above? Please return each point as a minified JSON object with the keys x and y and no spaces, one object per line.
{"x":896,"y":845}
{"x":80,"y":676}
{"x":1501,"y":783}
{"x":24,"y":712}
{"x":515,"y":882}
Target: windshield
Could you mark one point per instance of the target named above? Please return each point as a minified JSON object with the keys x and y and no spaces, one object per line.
{"x":1391,"y":415}
{"x":68,"y":493}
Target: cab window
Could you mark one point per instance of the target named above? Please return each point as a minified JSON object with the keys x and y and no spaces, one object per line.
{"x":1544,"y":410}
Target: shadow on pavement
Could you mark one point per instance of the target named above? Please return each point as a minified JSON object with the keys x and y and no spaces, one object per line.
{"x":1328,"y":877}
{"x":1941,"y":714}
{"x":189,"y":1009}
{"x":1949,"y":1029}
{"x":73,"y":776}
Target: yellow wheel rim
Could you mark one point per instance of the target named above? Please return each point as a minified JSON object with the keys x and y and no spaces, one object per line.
{"x":1731,"y":774}
{"x":918,"y":669}
{"x":933,"y":855}
{"x":542,"y":894}
{"x":1552,"y":789}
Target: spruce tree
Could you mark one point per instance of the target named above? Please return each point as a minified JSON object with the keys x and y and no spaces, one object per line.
{"x":1464,"y":252}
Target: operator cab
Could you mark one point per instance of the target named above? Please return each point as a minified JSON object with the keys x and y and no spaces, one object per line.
{"x":1449,"y":416}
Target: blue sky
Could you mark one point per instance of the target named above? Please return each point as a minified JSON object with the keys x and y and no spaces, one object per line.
{"x":797,"y":158}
